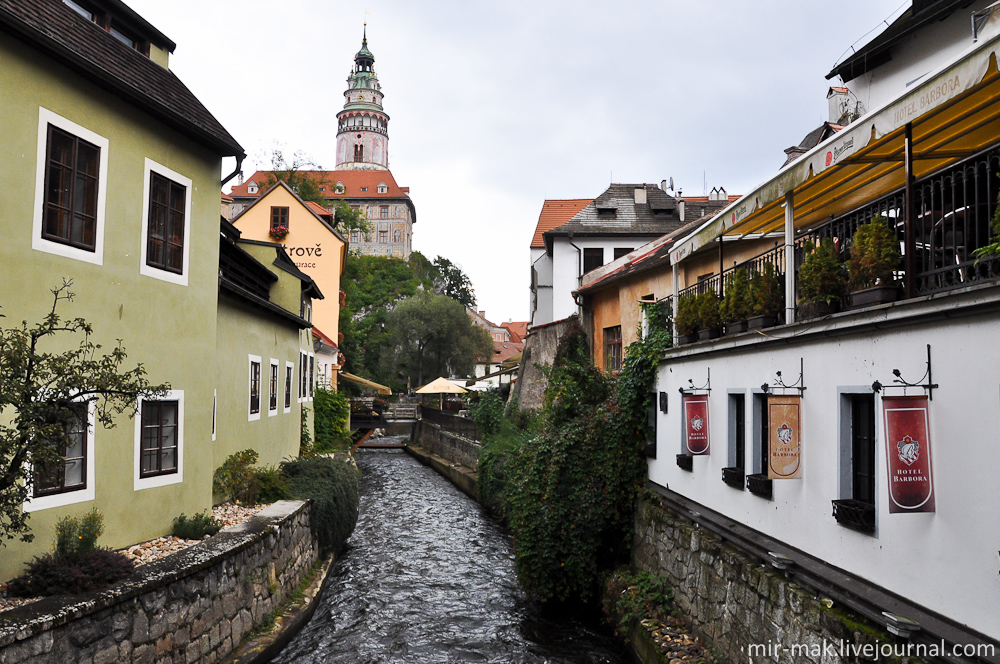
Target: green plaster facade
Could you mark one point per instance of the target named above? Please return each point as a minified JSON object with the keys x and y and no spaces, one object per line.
{"x":177,"y":326}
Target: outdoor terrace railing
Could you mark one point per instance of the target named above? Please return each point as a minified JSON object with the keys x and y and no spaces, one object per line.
{"x":953,"y":210}
{"x":463,"y":426}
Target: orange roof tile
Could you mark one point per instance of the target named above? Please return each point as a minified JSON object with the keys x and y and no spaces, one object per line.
{"x":505,"y":350}
{"x":318,"y":209}
{"x":318,"y":333}
{"x":517,"y":330}
{"x":554,"y":214}
{"x":226,"y":198}
{"x":353,"y":181}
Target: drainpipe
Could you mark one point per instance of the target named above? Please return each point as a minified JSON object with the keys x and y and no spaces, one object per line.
{"x":789,"y":258}
{"x":239,"y":167}
{"x":579,"y":260}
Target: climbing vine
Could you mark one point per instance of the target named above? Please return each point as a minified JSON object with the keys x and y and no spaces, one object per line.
{"x":566,"y":481}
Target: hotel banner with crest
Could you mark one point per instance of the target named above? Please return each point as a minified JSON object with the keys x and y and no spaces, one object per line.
{"x":784,"y":459}
{"x":696,"y":423}
{"x":908,"y":449}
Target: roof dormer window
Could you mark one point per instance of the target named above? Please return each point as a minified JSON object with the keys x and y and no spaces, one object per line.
{"x":382,"y":188}
{"x":252,"y":187}
{"x":364,"y":188}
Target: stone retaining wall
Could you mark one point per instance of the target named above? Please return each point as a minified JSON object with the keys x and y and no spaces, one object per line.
{"x":732,"y":600}
{"x":446,"y":445}
{"x":194,"y":606}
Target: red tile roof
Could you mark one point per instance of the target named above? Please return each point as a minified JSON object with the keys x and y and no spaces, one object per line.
{"x":226,"y":198}
{"x":518,"y":331}
{"x":322,"y":337}
{"x":318,"y":209}
{"x":554,"y":214}
{"x":353,"y":182}
{"x":505,"y":350}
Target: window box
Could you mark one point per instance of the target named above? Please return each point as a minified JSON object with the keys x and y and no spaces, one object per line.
{"x":855,"y":514}
{"x":870,"y":297}
{"x":809,"y":310}
{"x":710,"y":333}
{"x":685,"y":462}
{"x":733,"y":477}
{"x":760,"y":322}
{"x":736,"y":328}
{"x":686,"y":339}
{"x":759,"y":485}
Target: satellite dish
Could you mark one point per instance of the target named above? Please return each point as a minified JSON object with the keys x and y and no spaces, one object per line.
{"x":671,"y":184}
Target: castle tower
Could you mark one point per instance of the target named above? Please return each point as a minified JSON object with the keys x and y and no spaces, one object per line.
{"x":362,"y":127}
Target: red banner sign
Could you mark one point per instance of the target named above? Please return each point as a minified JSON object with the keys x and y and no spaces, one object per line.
{"x":784,"y":459}
{"x":696,"y":423}
{"x":908,"y":449}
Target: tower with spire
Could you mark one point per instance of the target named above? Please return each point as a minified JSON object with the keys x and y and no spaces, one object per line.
{"x":362,"y":127}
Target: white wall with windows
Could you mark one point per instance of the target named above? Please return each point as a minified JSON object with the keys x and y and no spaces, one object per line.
{"x":946,"y":560}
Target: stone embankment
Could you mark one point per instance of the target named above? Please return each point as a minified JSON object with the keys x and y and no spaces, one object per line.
{"x":194,"y":606}
{"x":455,"y":457}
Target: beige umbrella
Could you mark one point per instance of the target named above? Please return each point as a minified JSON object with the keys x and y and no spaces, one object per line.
{"x":441,"y":386}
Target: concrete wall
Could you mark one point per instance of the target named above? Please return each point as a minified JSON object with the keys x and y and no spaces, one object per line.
{"x":539,"y":350}
{"x":447,"y":445}
{"x":945,"y":561}
{"x":567,"y":263}
{"x":194,"y":606}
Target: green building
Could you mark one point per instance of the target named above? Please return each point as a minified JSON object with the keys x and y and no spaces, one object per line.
{"x":111,"y":178}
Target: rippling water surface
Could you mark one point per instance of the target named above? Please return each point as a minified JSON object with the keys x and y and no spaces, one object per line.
{"x":428,"y":577}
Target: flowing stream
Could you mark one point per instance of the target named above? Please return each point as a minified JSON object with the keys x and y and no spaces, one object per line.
{"x":428,"y":577}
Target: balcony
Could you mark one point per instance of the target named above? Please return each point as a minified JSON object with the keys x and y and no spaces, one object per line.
{"x":855,"y":515}
{"x":733,"y":477}
{"x":759,"y":485}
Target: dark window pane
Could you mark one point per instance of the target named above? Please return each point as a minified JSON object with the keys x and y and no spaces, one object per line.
{"x":159,"y":438}
{"x":71,"y":189}
{"x":165,"y":232}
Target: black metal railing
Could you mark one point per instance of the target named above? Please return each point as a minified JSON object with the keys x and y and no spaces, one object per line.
{"x":855,"y":514}
{"x":462,"y":426}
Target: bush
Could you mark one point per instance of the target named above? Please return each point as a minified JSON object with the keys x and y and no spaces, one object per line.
{"x":736,"y":305}
{"x":765,"y":292}
{"x":273,"y":485}
{"x":486,"y":409}
{"x":687,"y":320}
{"x":332,"y":485}
{"x":195,"y":527}
{"x":236,"y":479}
{"x":74,"y":573}
{"x":630,"y":597}
{"x":78,"y":535}
{"x":707,"y":306}
{"x":821,"y":277}
{"x":331,"y":409}
{"x":566,"y":486}
{"x":874,"y":255}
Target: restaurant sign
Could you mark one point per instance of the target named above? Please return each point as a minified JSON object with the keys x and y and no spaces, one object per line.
{"x":784,"y":459}
{"x":696,"y":423}
{"x":908,"y":449}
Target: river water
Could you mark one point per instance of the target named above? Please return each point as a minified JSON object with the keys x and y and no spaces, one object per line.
{"x":429,"y":577}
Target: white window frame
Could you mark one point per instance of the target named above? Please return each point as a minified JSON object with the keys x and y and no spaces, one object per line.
{"x":141,"y":483}
{"x":215,"y":412}
{"x":39,"y":243}
{"x":253,"y":417}
{"x":311,"y":379}
{"x":155,"y":272}
{"x":303,"y":367}
{"x":288,"y":365}
{"x":71,"y":497}
{"x":277,"y":387}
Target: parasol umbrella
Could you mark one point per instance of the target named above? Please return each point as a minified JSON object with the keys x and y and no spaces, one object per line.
{"x":441,"y":386}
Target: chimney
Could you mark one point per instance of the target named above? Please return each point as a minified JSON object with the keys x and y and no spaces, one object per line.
{"x":663,"y":185}
{"x":640,"y":196}
{"x":839,"y":101}
{"x":483,"y":314}
{"x":680,"y":209}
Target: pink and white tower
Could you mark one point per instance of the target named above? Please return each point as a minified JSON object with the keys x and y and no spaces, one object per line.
{"x":362,"y":127}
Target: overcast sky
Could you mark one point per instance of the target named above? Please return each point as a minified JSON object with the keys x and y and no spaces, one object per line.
{"x":496,"y":106}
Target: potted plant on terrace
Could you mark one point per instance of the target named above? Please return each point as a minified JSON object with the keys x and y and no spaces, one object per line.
{"x":709,"y":322}
{"x":875,"y":257}
{"x":687,"y":319}
{"x":766,"y":298}
{"x":822,"y":281}
{"x":735,"y":306}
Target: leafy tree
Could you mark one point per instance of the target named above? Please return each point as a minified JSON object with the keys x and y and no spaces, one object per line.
{"x":453,"y":282}
{"x":346,"y":218}
{"x":39,"y":386}
{"x":433,"y":334}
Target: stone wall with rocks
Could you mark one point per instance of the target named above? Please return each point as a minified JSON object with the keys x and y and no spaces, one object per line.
{"x":732,"y":600}
{"x":446,"y":445}
{"x":194,"y":606}
{"x":539,"y":351}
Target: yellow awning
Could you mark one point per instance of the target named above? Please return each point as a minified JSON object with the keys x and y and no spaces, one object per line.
{"x":954,"y":114}
{"x":381,"y":389}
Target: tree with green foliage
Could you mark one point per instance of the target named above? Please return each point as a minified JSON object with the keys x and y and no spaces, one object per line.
{"x":41,"y":389}
{"x":454,"y":283}
{"x":433,"y":335}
